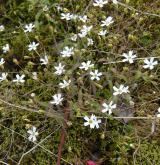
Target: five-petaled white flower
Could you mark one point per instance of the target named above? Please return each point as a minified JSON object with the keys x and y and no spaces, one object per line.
{"x":86,"y":29}
{"x":44,"y":61}
{"x":108,"y":107}
{"x":64,"y":84}
{"x":150,"y":63}
{"x":100,"y":3}
{"x":120,"y":90}
{"x":89,"y":41}
{"x":59,"y":69}
{"x":19,"y":79}
{"x":5,"y":48}
{"x":2,"y":28}
{"x":3,"y":76}
{"x":92,"y":121}
{"x":29,"y":28}
{"x":86,"y":65}
{"x":2,"y":61}
{"x":129,"y":57}
{"x":32,"y":46}
{"x":66,"y":16}
{"x":158,"y":115}
{"x":95,"y":75}
{"x":67,"y":52}
{"x":107,"y":21}
{"x":32,"y":134}
{"x":102,"y":32}
{"x":57,"y":99}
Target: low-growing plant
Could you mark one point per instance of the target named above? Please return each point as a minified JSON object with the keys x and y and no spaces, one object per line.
{"x":79,"y":81}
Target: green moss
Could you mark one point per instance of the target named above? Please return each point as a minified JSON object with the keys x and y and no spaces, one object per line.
{"x":148,"y":153}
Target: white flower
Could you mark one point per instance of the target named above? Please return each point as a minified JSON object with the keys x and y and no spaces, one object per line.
{"x":32,"y":46}
{"x":57,"y":99}
{"x":107,"y":21}
{"x":66,"y":16}
{"x":67,"y":52}
{"x":74,"y":37}
{"x":2,"y":61}
{"x":83,"y":18}
{"x":3,"y":76}
{"x":1,"y":28}
{"x":5,"y":48}
{"x":129,"y":57}
{"x":125,"y":89}
{"x":89,"y":121}
{"x":44,"y":61}
{"x":86,"y":29}
{"x":92,"y":121}
{"x":89,"y":41}
{"x":115,"y":1}
{"x":120,"y":90}
{"x":82,"y":35}
{"x":19,"y":79}
{"x":149,"y":63}
{"x":64,"y":84}
{"x":100,"y":3}
{"x":96,"y":122}
{"x":102,"y":32}
{"x":158,"y":115}
{"x":59,"y":69}
{"x":86,"y":65}
{"x":34,"y":75}
{"x":108,"y":107}
{"x":32,"y":134}
{"x":95,"y":75}
{"x":29,"y":28}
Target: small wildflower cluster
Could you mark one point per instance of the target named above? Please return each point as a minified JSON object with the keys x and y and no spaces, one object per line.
{"x":111,"y":106}
{"x":76,"y":62}
{"x":69,"y":16}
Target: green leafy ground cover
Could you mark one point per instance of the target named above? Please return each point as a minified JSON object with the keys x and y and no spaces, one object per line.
{"x":117,"y":141}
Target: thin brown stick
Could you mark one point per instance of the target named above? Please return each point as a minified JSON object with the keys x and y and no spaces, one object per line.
{"x":48,"y":114}
{"x":63,"y":133}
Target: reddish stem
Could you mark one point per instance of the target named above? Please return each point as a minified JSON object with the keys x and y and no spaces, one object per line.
{"x":63,"y":133}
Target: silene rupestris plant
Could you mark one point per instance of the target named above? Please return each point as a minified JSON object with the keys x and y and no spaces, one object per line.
{"x":84,"y":61}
